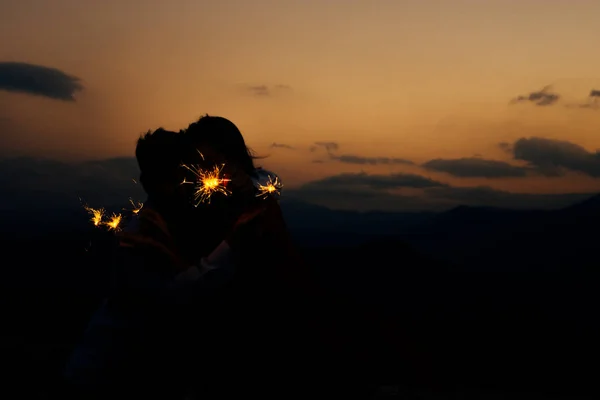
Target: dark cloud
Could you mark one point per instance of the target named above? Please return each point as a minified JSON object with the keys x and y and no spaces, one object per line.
{"x":282,"y":146}
{"x":595,"y":93}
{"x":38,"y":80}
{"x":265,"y":90}
{"x":354,"y":159}
{"x":332,"y":147}
{"x":547,"y":157}
{"x":544,"y":97}
{"x":377,"y":182}
{"x":476,"y":168}
{"x":550,"y":156}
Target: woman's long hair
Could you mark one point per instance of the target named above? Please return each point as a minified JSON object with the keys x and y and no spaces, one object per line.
{"x":221,"y":142}
{"x":224,"y":137}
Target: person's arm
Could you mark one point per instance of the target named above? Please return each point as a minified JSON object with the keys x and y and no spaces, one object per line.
{"x":145,"y":281}
{"x":141,"y":289}
{"x":209,"y":275}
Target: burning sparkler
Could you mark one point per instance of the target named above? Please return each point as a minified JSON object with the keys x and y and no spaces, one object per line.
{"x":114,"y":222}
{"x":208,"y":182}
{"x":97,"y":215}
{"x":272,"y":187}
{"x":137,"y":206}
{"x":267,"y":184}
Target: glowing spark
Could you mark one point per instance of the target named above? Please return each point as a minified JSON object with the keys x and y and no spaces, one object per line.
{"x":208,"y":182}
{"x":137,"y":206}
{"x":96,"y":213}
{"x":273,"y":187}
{"x":114,"y":222}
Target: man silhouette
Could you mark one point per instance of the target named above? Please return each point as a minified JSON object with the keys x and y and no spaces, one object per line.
{"x":135,"y":344}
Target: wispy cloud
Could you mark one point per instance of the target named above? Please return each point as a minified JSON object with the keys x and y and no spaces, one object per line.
{"x":275,"y":145}
{"x":264,"y":90}
{"x":38,"y":80}
{"x":330,"y":147}
{"x":543,"y":97}
{"x":592,"y":102}
{"x":505,"y":146}
{"x":360,"y":160}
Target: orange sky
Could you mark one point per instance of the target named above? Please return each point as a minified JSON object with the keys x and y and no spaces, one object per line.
{"x":416,"y":79}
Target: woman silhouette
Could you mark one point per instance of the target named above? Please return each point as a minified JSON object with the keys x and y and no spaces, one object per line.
{"x":270,"y":314}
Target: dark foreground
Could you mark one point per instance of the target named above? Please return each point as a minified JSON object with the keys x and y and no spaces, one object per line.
{"x":432,"y":330}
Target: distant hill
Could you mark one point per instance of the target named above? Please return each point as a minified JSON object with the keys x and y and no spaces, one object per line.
{"x":499,"y":239}
{"x":589,"y":207}
{"x":471,"y":237}
{"x":320,"y":226}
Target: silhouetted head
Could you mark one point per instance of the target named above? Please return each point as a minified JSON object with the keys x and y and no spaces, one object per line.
{"x":221,"y":144}
{"x":159,"y":156}
{"x":218,"y":137}
{"x":162,"y":156}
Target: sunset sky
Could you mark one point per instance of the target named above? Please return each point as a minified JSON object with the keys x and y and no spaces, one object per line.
{"x":416,"y":80}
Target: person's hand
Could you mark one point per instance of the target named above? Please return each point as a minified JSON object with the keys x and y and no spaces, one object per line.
{"x":239,"y":182}
{"x":153,"y":239}
{"x":247,"y":226}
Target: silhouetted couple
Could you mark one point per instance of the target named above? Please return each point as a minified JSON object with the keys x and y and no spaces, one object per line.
{"x":211,"y":299}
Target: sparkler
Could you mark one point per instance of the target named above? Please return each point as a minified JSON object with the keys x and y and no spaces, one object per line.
{"x":272,"y":187}
{"x":207,"y":183}
{"x":97,"y":214}
{"x":114,"y":222}
{"x":137,"y":206}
